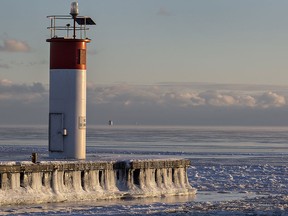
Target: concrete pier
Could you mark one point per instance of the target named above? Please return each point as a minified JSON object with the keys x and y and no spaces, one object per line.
{"x":58,"y":181}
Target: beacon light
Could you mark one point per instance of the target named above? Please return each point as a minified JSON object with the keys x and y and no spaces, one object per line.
{"x":74,"y":10}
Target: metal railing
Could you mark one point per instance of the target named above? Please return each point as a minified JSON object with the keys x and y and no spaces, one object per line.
{"x":68,"y":27}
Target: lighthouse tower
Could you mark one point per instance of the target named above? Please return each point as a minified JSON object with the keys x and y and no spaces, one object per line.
{"x":67,"y":99}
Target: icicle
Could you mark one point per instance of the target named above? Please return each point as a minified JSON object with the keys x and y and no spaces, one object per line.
{"x":76,"y":181}
{"x":15,"y":181}
{"x":57,"y":181}
{"x":36,"y":181}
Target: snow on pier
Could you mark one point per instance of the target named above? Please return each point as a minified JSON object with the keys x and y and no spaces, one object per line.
{"x":58,"y":181}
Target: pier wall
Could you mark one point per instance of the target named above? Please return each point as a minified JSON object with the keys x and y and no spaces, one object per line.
{"x":58,"y":181}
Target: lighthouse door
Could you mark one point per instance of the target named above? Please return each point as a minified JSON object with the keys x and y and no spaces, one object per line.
{"x":56,"y":132}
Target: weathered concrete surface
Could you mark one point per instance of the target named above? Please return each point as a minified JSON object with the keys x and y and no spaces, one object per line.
{"x":49,"y":166}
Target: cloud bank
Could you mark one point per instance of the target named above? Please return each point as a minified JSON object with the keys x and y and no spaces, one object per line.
{"x":169,"y":95}
{"x":192,"y":104}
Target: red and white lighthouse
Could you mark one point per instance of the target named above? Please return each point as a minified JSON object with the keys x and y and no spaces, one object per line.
{"x":67,"y":99}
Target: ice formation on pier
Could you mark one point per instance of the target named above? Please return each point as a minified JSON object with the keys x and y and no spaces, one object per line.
{"x":67,"y":181}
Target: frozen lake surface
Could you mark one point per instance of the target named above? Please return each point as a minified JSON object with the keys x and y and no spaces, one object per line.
{"x":237,"y":170}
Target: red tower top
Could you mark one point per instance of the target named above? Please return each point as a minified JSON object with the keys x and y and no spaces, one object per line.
{"x":68,"y":50}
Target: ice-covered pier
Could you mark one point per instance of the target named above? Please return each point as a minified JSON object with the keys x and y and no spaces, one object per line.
{"x":58,"y":181}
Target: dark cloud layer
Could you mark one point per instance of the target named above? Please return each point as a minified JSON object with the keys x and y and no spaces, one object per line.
{"x":23,"y":103}
{"x":159,"y":104}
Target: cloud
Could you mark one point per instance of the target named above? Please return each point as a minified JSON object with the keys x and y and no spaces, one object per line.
{"x":164,"y":12}
{"x":271,"y":99}
{"x":23,"y":103}
{"x":12,"y":45}
{"x":5,"y":82}
{"x":21,"y":93}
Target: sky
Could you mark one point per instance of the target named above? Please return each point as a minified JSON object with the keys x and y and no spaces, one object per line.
{"x":192,"y":62}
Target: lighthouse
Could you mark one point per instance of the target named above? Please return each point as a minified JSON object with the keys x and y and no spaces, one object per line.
{"x":67,"y":94}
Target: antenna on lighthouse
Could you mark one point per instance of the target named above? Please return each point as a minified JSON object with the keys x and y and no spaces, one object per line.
{"x":74,"y":11}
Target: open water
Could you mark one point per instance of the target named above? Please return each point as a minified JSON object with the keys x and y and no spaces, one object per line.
{"x":18,"y":142}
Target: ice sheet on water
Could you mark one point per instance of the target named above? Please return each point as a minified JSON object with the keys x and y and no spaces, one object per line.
{"x":219,"y":193}
{"x":241,"y":175}
{"x":259,"y":205}
{"x":224,"y":161}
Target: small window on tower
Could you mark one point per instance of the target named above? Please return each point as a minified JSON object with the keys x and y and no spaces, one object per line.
{"x":82,"y":56}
